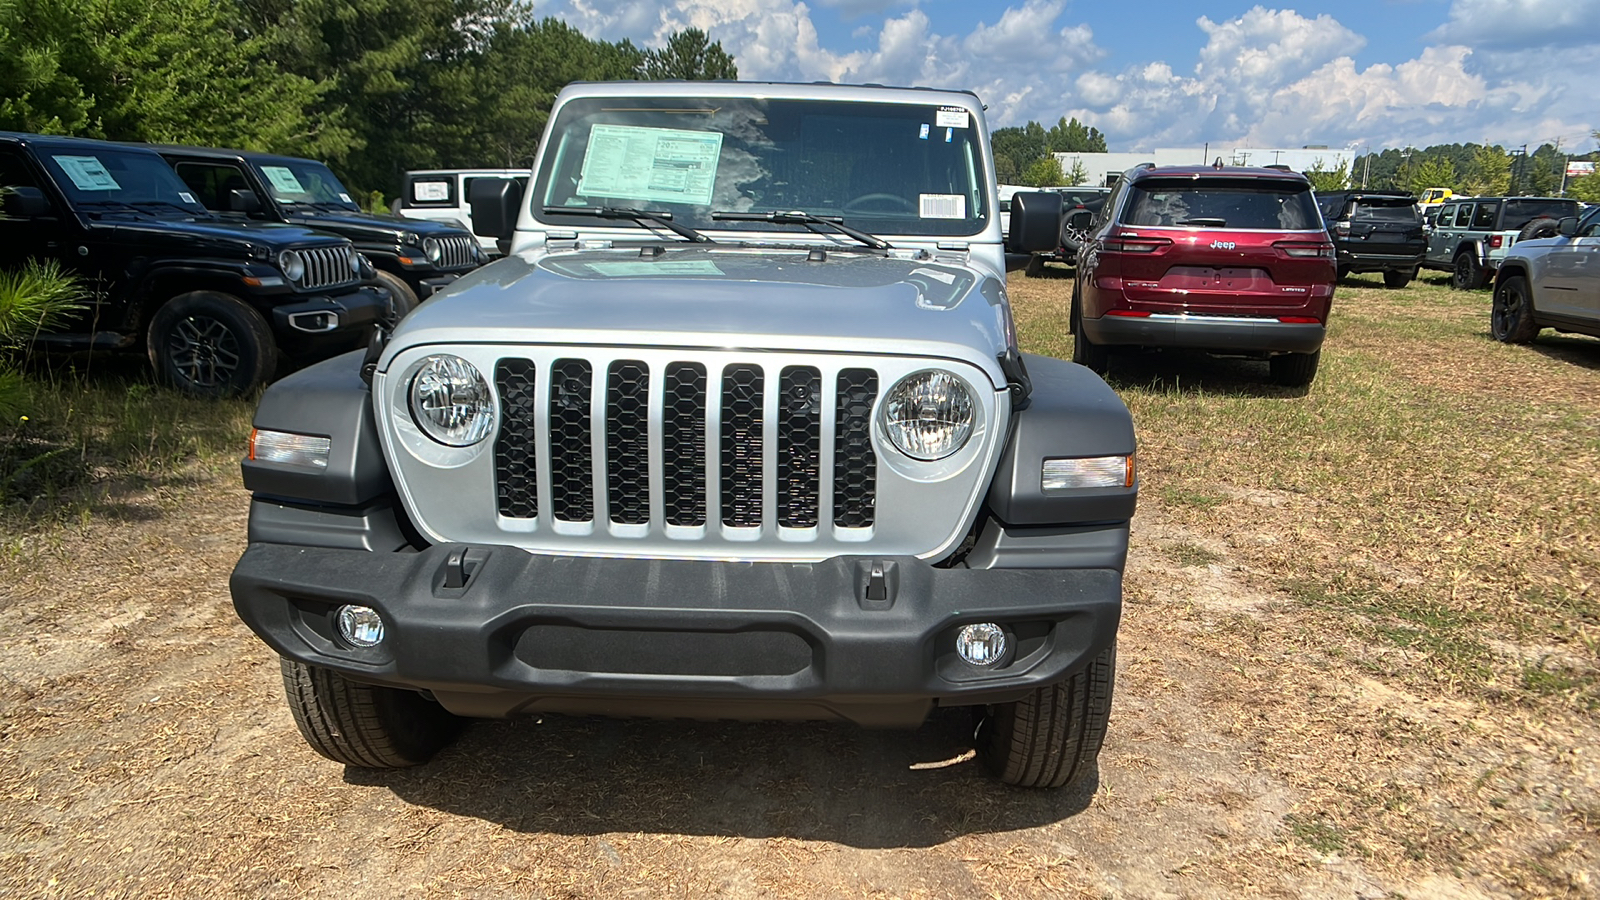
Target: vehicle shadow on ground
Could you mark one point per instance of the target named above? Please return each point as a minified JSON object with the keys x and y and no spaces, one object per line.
{"x":1579,"y":351}
{"x":1194,"y":372}
{"x":808,"y":781}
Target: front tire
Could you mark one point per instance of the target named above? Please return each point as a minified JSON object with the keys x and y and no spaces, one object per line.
{"x":1511,"y":314}
{"x":211,"y":344}
{"x":405,"y":299}
{"x":1294,"y":369}
{"x":363,"y":725}
{"x":1467,"y":272}
{"x":1052,"y":737}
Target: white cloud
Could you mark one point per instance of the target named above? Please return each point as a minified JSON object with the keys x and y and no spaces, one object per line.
{"x":1523,"y":24}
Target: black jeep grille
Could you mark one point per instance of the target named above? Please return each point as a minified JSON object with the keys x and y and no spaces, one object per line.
{"x":732,"y":474}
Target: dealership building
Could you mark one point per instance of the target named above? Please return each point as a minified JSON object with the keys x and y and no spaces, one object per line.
{"x":1103,"y":168}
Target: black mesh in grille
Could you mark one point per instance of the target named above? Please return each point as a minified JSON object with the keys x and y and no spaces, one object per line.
{"x":571,"y":460}
{"x":683,"y":444}
{"x":516,"y":452}
{"x":628,"y":441}
{"x":741,"y":445}
{"x":855,"y":465}
{"x":799,"y":446}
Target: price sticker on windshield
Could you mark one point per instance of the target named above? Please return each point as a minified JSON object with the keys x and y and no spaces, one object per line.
{"x":950,"y":117}
{"x":88,"y":173}
{"x":283,"y":180}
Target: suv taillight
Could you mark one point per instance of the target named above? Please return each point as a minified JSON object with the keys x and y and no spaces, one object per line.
{"x":1495,"y":240}
{"x":1304,"y":248}
{"x":1342,"y":227}
{"x":1135,"y":244}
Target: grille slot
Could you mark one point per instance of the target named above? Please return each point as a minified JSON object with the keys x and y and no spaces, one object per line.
{"x":855,"y":463}
{"x":742,"y":433}
{"x":799,"y":446}
{"x":456,"y":252}
{"x":327,"y":267}
{"x":628,"y":442}
{"x":516,"y":448}
{"x":697,"y":435}
{"x":571,"y":456}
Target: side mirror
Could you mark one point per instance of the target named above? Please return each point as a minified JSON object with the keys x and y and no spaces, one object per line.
{"x":495,"y":204}
{"x":27,"y":203}
{"x":242,"y":200}
{"x":1035,"y":222}
{"x":1567,"y":226}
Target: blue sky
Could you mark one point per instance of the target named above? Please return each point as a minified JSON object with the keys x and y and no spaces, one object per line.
{"x":1373,"y":73}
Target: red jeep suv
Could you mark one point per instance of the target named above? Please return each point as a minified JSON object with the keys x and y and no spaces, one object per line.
{"x":1229,"y":260}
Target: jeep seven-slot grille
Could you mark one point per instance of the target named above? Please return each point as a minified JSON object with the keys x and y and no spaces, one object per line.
{"x":327,"y":266}
{"x":457,"y":251}
{"x":734,"y":400}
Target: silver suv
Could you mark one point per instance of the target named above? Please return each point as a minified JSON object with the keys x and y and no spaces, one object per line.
{"x":1470,"y":235}
{"x":738,"y":429}
{"x":1551,"y":282}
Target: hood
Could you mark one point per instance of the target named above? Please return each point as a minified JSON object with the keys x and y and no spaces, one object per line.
{"x":362,"y":227}
{"x":757,"y":298}
{"x":216,"y":232}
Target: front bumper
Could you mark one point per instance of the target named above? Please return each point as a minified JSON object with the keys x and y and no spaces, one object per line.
{"x":528,"y":634}
{"x":1218,"y":333}
{"x":329,"y":322}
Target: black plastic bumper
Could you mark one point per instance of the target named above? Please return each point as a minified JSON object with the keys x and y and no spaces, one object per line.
{"x":1356,"y":261}
{"x":329,"y":322}
{"x":1225,"y":334}
{"x":530,"y":634}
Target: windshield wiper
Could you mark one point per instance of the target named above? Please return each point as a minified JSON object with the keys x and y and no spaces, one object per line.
{"x":664,"y":219}
{"x":1206,"y":222}
{"x":809,"y":220}
{"x":178,"y":206}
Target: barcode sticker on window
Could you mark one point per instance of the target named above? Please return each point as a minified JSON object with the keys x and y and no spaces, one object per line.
{"x":942,"y":206}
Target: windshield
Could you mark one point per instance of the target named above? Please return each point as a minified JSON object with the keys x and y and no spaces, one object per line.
{"x":884,"y":167}
{"x":304,"y":181}
{"x":111,"y":178}
{"x":1520,"y":212}
{"x":1253,"y":203}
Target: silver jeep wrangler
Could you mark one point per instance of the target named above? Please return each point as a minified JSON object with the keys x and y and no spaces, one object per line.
{"x":737,"y":429}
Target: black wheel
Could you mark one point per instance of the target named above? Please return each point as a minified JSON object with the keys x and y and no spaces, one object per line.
{"x":1398,"y":279}
{"x":362,"y":725}
{"x":1542,"y":227}
{"x":1071,"y":238}
{"x":1467,"y":274}
{"x":1084,"y":351}
{"x":1035,"y":267}
{"x":405,"y":299}
{"x":1052,"y":737}
{"x":1341,"y":273}
{"x":1294,"y":369}
{"x":1511,"y":314}
{"x":211,"y":344}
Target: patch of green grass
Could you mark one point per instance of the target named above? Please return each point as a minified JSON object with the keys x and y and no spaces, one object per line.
{"x":1187,"y":554}
{"x":1318,"y":833}
{"x":1181,"y":495}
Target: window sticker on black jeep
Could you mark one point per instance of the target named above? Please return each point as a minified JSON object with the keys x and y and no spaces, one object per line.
{"x":942,"y":206}
{"x":283,"y":180}
{"x":663,"y":165}
{"x":950,"y":117}
{"x":430,"y":191}
{"x":185,"y":196}
{"x":88,"y":173}
{"x":679,"y":267}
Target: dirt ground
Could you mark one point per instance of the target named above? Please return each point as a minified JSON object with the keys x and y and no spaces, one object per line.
{"x":145,"y":751}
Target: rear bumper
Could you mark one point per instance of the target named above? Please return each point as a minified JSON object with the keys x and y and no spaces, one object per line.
{"x":529,"y":634}
{"x":1221,"y":333}
{"x":1378,"y":262}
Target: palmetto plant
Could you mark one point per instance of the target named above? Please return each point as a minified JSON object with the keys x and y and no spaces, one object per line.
{"x":36,"y":298}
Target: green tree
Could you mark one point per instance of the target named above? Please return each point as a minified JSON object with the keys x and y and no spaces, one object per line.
{"x":689,"y":54}
{"x":1431,"y":171}
{"x":1325,"y":179}
{"x":1586,"y":188}
{"x":1074,"y":137}
{"x":1044,"y":172}
{"x":1489,"y":172}
{"x":1079,"y":174}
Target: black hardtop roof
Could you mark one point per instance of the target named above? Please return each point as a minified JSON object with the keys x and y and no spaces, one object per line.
{"x":225,"y":153}
{"x":837,"y":84}
{"x":18,"y":137}
{"x":1201,"y":173}
{"x":1360,"y":193}
{"x":1459,"y":199}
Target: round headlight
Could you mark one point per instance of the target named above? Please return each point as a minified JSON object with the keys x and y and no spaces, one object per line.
{"x":451,"y":402}
{"x":355,"y":262}
{"x":928,"y":415}
{"x":433,"y":248}
{"x":292,"y":264}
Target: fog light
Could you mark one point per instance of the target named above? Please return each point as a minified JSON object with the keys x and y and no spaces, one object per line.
{"x":360,"y":626}
{"x":982,"y":644}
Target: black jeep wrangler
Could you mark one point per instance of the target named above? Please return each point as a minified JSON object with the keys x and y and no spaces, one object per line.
{"x":215,"y":303}
{"x":1375,"y":231}
{"x":413,"y":258}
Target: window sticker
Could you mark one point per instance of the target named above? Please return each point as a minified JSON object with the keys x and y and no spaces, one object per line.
{"x":948,"y":133}
{"x":658,"y":164}
{"x":942,"y":206}
{"x":283,"y":180}
{"x":185,"y":196}
{"x":430,"y":191}
{"x":87,"y":173}
{"x":924,"y":132}
{"x":950,"y":117}
{"x":678,"y":267}
{"x":345,"y":197}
